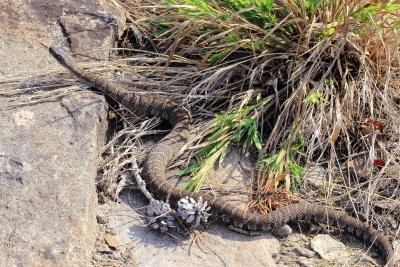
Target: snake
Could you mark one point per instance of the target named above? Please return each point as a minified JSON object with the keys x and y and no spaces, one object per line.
{"x":159,"y":157}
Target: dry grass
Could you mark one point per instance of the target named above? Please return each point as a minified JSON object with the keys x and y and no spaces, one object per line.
{"x":333,"y":72}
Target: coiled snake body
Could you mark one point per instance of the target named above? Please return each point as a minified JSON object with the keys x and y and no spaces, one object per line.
{"x":159,"y":157}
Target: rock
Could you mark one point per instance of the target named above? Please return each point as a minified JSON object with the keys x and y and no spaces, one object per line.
{"x":47,"y":181}
{"x":111,"y":241}
{"x":49,"y":150}
{"x":282,"y":231}
{"x":74,"y":24}
{"x":103,"y":248}
{"x":305,"y":252}
{"x":101,"y":218}
{"x":80,"y":27}
{"x":98,"y":258}
{"x":111,"y":231}
{"x":117,"y":256}
{"x":233,"y":174}
{"x":315,"y":175}
{"x":314,"y":229}
{"x":101,"y":198}
{"x":296,"y":238}
{"x":126,"y":253}
{"x":393,"y":223}
{"x":329,"y":248}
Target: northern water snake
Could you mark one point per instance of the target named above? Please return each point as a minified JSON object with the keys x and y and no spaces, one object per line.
{"x":160,"y":155}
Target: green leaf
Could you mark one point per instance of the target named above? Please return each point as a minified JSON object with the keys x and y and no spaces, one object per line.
{"x":172,"y":2}
{"x":218,"y":134}
{"x":206,"y":150}
{"x":223,"y":155}
{"x":314,"y":98}
{"x":329,"y":32}
{"x":392,"y":7}
{"x":372,"y":9}
{"x":211,"y":149}
{"x":216,"y":57}
{"x":295,"y":169}
{"x":270,"y":161}
{"x":190,"y":169}
{"x":220,"y":117}
{"x":281,"y":155}
{"x":186,"y":185}
{"x":296,"y":147}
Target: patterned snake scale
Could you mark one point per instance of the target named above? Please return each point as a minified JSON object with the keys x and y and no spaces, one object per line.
{"x":160,"y":155}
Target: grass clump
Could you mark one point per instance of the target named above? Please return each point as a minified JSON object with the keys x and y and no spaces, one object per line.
{"x":330,"y":67}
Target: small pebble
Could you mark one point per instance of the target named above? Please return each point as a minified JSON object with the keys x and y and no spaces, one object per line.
{"x":98,"y":258}
{"x":101,"y":199}
{"x":111,"y":231}
{"x":117,"y":256}
{"x":101,"y":219}
{"x":282,"y":231}
{"x":393,"y":222}
{"x":104,"y":249}
{"x":314,"y":229}
{"x":126,"y":253}
{"x":111,"y":240}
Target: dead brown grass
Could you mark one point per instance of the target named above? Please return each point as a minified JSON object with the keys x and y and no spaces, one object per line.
{"x":333,"y":76}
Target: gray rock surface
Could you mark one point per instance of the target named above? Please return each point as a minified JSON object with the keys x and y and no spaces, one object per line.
{"x":49,"y":151}
{"x":232,"y":176}
{"x":215,"y":246}
{"x":74,"y":24}
{"x":48,"y":156}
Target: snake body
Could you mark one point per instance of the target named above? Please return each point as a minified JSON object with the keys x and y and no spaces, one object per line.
{"x":160,"y":155}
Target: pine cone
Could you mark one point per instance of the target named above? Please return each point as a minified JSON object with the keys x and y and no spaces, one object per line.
{"x":160,"y":216}
{"x":192,"y":211}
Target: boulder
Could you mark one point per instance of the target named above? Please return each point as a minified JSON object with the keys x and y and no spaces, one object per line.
{"x":48,"y":166}
{"x":75,"y":25}
{"x":49,"y":150}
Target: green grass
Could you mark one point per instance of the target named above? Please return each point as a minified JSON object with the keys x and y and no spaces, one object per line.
{"x":232,"y":128}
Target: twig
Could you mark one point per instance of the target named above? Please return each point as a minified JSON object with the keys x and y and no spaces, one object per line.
{"x":140,"y":182}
